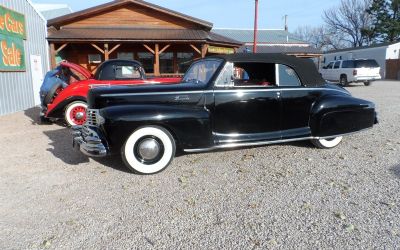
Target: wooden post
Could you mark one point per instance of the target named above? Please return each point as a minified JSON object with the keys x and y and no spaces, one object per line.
{"x":157,"y":60}
{"x":175,"y":63}
{"x":204,"y":49}
{"x":53,"y":54}
{"x":106,"y":54}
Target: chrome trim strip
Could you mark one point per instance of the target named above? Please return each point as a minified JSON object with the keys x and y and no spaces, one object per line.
{"x":222,"y":91}
{"x":236,"y":145}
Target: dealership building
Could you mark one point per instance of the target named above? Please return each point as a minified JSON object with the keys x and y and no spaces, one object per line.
{"x":23,"y":55}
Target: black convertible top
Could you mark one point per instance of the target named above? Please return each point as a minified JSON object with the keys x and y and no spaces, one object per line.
{"x":305,"y":68}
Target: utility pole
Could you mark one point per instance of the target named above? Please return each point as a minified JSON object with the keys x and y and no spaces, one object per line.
{"x":286,"y":23}
{"x":255,"y":27}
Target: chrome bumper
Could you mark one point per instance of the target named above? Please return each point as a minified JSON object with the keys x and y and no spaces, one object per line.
{"x":88,"y":142}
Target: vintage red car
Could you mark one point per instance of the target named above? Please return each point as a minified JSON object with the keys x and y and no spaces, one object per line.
{"x":70,"y":103}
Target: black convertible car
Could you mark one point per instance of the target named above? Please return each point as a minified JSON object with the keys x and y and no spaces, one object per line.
{"x":222,"y":102}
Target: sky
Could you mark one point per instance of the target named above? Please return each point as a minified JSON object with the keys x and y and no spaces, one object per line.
{"x":236,"y":13}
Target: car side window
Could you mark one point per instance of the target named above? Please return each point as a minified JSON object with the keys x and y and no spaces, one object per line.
{"x":286,"y":76}
{"x":124,"y":72}
{"x":337,"y":65}
{"x":329,"y":65}
{"x":247,"y":75}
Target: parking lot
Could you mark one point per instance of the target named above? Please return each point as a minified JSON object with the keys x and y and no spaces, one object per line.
{"x":279,"y":196}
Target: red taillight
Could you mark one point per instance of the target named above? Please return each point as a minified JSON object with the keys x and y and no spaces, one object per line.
{"x":354,"y":72}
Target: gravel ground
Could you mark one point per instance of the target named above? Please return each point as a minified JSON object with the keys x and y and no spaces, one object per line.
{"x":280,"y":196}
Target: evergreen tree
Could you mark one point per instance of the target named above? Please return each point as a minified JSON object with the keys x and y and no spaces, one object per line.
{"x":386,"y":20}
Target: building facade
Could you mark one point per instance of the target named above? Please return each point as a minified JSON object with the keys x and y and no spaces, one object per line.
{"x":23,"y":55}
{"x":386,"y":54}
{"x":161,"y":39}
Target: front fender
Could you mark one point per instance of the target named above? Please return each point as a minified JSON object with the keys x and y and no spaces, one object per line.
{"x":340,"y":114}
{"x":189,"y":125}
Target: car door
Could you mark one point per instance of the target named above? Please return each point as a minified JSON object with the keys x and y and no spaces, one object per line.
{"x":328,"y":71}
{"x":297,"y":101}
{"x":247,"y":112}
{"x":336,"y":71}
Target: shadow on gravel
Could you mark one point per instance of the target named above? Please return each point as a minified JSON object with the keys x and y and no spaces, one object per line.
{"x":61,"y":142}
{"x":61,"y":147}
{"x":396,"y":170}
{"x":34,"y":115}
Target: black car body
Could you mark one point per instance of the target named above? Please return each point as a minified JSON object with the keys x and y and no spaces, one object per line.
{"x":223,"y":102}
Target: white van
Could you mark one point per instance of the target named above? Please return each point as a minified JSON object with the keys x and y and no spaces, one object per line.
{"x":347,"y":71}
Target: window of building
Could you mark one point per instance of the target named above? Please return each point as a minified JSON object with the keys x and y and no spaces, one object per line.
{"x":184,"y":60}
{"x":94,"y":58}
{"x":147,"y":60}
{"x":167,"y":62}
{"x":125,"y":55}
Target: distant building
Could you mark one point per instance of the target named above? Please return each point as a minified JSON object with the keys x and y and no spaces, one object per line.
{"x":23,"y":55}
{"x":50,"y":11}
{"x":271,"y":41}
{"x":386,"y":54}
{"x":160,"y":38}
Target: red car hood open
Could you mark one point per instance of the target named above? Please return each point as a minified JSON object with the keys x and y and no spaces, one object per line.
{"x":81,"y":70}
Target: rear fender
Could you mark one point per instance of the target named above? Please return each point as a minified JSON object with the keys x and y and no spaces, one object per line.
{"x":190,"y":126}
{"x":337,"y":114}
{"x":57,"y":111}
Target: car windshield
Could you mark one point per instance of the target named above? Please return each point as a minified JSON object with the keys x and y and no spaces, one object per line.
{"x":202,"y":71}
{"x":366,"y":64}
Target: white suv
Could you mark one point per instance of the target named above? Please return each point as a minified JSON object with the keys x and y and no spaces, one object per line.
{"x":347,"y":71}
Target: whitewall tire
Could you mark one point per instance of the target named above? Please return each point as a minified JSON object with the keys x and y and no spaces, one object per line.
{"x":75,"y":113}
{"x":327,"y":143}
{"x":148,"y":150}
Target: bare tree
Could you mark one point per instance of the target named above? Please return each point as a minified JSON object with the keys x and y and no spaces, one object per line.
{"x":350,"y":20}
{"x":320,"y":37}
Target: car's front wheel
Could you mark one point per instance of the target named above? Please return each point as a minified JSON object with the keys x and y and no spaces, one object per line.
{"x":148,"y":150}
{"x":75,"y":113}
{"x":327,"y":143}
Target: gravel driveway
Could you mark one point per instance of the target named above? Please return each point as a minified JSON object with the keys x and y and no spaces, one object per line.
{"x":281,"y":196}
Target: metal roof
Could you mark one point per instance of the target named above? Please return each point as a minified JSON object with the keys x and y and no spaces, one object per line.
{"x":310,"y":50}
{"x":268,"y":36}
{"x":136,"y":34}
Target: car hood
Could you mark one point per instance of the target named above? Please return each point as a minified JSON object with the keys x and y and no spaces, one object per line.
{"x":81,"y":70}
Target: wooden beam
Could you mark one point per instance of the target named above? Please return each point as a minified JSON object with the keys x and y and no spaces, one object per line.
{"x":195,"y":48}
{"x":163,"y":49}
{"x":61,"y":47}
{"x":204,"y":49}
{"x":149,"y":49}
{"x":175,"y":62}
{"x":156,"y":61}
{"x":53,"y":54}
{"x":113,"y":49}
{"x":106,"y":52}
{"x":98,"y":48}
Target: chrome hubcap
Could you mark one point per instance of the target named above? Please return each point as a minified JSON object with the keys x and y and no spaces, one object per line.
{"x":149,"y":149}
{"x":79,"y":115}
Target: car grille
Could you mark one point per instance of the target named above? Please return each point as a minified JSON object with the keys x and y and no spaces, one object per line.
{"x":91,"y":117}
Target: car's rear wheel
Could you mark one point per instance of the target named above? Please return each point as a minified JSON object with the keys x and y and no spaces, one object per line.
{"x":75,"y":113}
{"x":343,"y":80}
{"x":148,"y":150}
{"x":327,"y":143}
{"x":367,"y":83}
